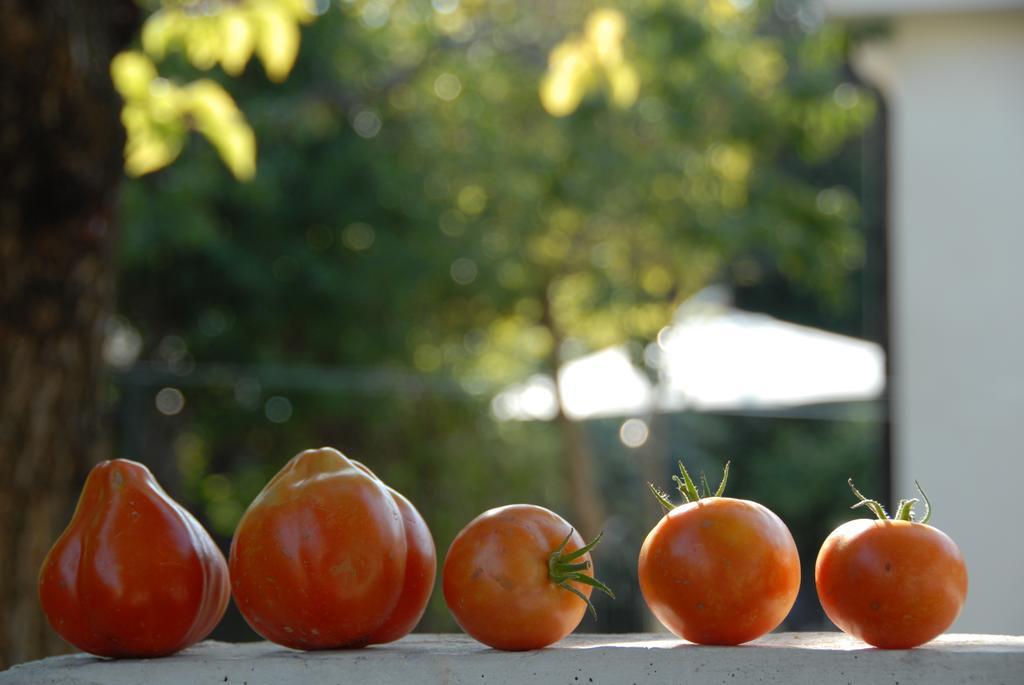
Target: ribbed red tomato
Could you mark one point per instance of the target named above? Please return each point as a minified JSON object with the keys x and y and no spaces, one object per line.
{"x":420,"y":572}
{"x":134,"y":574}
{"x":894,"y":583}
{"x":327,"y":556}
{"x":718,"y":570}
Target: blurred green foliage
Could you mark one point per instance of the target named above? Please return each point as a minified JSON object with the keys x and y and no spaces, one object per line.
{"x":449,"y":197}
{"x":158,"y":113}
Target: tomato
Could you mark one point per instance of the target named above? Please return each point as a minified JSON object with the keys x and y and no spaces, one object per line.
{"x":420,"y":571}
{"x":893,"y":583}
{"x":718,"y":570}
{"x":134,"y":574}
{"x":327,"y":556}
{"x":519,"y":577}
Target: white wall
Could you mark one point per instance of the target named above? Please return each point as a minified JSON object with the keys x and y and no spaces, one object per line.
{"x":955,"y":87}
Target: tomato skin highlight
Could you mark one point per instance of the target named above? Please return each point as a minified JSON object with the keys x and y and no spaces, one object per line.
{"x":420,"y":573}
{"x":420,"y":570}
{"x":134,"y":574}
{"x":496,"y":583}
{"x":318,"y":559}
{"x":719,"y":571}
{"x":893,"y":584}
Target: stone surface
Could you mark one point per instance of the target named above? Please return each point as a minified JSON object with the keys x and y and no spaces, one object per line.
{"x":789,"y":658}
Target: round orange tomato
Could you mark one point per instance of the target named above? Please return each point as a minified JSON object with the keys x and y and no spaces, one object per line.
{"x":322,"y":557}
{"x":718,"y":570}
{"x":134,"y":574}
{"x":894,"y":583}
{"x":519,"y":577}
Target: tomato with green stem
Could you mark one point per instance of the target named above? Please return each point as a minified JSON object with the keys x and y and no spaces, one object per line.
{"x":717,"y":570}
{"x":895,"y":583}
{"x":519,"y":577}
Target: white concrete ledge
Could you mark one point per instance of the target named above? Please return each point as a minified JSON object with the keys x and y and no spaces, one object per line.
{"x":784,"y":658}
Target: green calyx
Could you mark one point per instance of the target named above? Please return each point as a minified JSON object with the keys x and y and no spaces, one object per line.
{"x":904,"y":510}
{"x":564,"y":569}
{"x":688,"y":489}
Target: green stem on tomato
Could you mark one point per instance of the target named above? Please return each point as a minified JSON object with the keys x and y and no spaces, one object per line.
{"x":688,"y":489}
{"x":904,"y":510}
{"x":927,"y":504}
{"x":685,"y":485}
{"x":662,"y":498}
{"x":563,"y":572}
{"x":873,"y":505}
{"x":725,"y":478}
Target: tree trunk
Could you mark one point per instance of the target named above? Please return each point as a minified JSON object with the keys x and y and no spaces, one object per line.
{"x":60,"y":151}
{"x":585,"y":496}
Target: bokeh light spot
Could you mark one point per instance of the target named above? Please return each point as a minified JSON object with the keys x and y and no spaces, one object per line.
{"x":366,"y":123}
{"x":472,"y":200}
{"x":278,"y":409}
{"x":122,"y":343}
{"x":375,"y":14}
{"x":445,"y":6}
{"x":358,"y":236}
{"x":846,"y":95}
{"x":170,"y":401}
{"x":463,"y":271}
{"x":634,"y":433}
{"x":447,"y":86}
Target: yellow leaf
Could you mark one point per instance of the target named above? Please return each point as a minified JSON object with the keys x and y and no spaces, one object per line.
{"x":166,"y":102}
{"x":209,"y":102}
{"x":605,"y":30}
{"x":145,"y":154}
{"x":134,"y":117}
{"x":161,"y":29}
{"x":203,"y":42}
{"x":132,"y":72}
{"x":277,"y":42}
{"x":218,"y":118}
{"x":239,"y":40}
{"x":577,"y":63}
{"x":572,"y":57}
{"x":148,"y":147}
{"x":236,"y":144}
{"x":569,"y":72}
{"x":625,"y":85}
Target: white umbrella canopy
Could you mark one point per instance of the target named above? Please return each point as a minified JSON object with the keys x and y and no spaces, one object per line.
{"x":719,"y":358}
{"x":714,"y":358}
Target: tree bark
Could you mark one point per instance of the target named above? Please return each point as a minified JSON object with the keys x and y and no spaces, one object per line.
{"x":60,"y":153}
{"x":585,"y":496}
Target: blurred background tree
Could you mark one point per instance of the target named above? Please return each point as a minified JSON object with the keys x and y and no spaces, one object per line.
{"x":451,"y":197}
{"x":61,"y":149}
{"x":60,"y":144}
